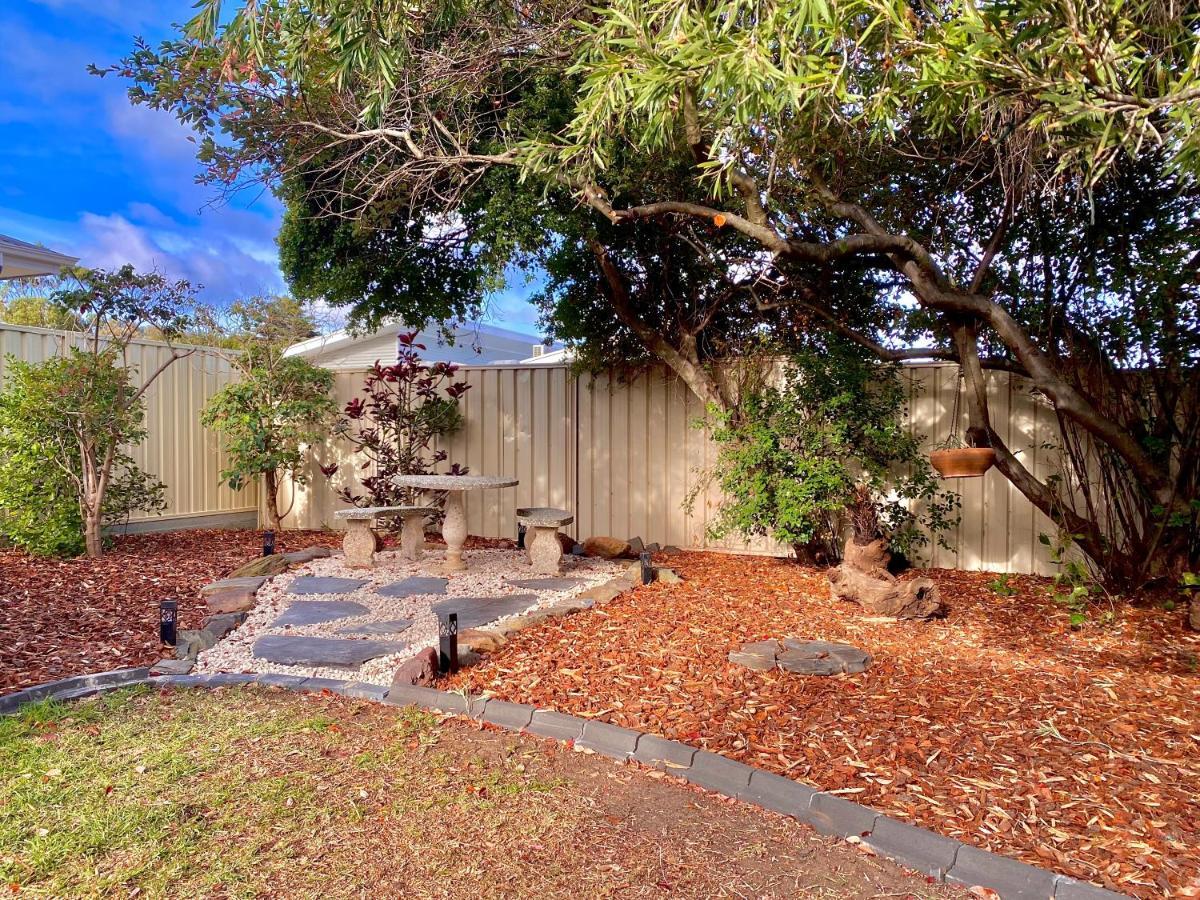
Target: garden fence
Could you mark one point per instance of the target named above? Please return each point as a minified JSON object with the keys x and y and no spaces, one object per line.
{"x":624,"y":456}
{"x":178,"y":449}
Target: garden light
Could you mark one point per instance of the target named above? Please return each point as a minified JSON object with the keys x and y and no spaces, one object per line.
{"x":168,"y":620}
{"x":268,"y":543}
{"x":448,"y":643}
{"x":647,"y":567}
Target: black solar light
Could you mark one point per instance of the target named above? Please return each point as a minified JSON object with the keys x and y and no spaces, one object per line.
{"x":520,"y":536}
{"x":647,"y":567}
{"x":448,"y":643}
{"x":268,"y":543}
{"x":168,"y":619}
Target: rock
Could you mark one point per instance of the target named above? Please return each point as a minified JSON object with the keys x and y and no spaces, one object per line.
{"x":653,"y":547}
{"x":520,"y":623}
{"x":300,"y":557}
{"x":229,"y":600}
{"x":601,"y":593}
{"x":263,"y":565}
{"x":248,"y":582}
{"x":420,"y":670}
{"x":173,"y":666}
{"x":566,"y":542}
{"x":802,"y":657}
{"x":633,"y":572}
{"x":219,"y":626}
{"x":569,"y":606}
{"x":606,"y":547}
{"x":667,"y":576}
{"x":578,"y":550}
{"x":636,"y":545}
{"x":760,"y":662}
{"x":671,"y":550}
{"x":189,"y":643}
{"x":481,"y":640}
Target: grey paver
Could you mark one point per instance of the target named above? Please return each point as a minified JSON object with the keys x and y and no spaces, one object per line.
{"x":274,"y":679}
{"x":173,"y":666}
{"x":416,"y":586}
{"x":1007,"y":877}
{"x":287,"y":650}
{"x":508,"y":715}
{"x":390,"y":626}
{"x":316,"y":612}
{"x":426,"y":698}
{"x":718,"y":773}
{"x":476,"y":611}
{"x":546,"y":584}
{"x":555,"y":725}
{"x":316,"y":685}
{"x":778,"y":794}
{"x":1070,"y":889}
{"x":324,"y":584}
{"x":661,"y":753}
{"x":833,"y":815}
{"x":229,"y":679}
{"x":361,"y":690}
{"x":928,"y":853}
{"x":609,"y":740}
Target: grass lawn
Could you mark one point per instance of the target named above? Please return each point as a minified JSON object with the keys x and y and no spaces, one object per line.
{"x":252,"y":793}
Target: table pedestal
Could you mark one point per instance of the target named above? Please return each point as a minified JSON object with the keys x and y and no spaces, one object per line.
{"x":454,"y":530}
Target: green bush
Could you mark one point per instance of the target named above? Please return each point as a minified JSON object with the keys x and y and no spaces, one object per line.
{"x":824,"y":450}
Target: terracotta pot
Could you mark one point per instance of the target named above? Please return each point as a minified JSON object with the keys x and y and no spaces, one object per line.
{"x":963,"y":462}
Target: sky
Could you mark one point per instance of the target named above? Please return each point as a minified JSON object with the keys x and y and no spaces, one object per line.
{"x":84,"y":172}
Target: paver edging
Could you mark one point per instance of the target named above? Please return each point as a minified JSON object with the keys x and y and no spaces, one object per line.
{"x":940,"y":858}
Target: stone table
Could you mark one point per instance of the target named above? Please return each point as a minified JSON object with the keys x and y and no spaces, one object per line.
{"x":454,"y":522}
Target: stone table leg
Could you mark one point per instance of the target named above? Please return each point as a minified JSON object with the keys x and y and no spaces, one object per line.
{"x":545,"y":552}
{"x":454,"y":530}
{"x":359,"y":544}
{"x":412,"y":536}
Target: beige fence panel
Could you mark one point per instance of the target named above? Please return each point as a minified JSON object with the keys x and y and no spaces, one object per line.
{"x":624,"y":456}
{"x":178,"y":449}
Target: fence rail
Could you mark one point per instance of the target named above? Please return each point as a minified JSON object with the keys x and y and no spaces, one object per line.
{"x":178,"y":449}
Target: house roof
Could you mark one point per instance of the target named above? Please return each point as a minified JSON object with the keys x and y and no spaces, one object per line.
{"x":325,"y":343}
{"x":20,"y":259}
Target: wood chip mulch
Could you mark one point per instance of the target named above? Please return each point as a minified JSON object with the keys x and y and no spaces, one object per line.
{"x":1000,"y":726}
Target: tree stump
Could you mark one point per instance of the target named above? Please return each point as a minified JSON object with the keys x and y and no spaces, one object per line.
{"x":863,"y":578}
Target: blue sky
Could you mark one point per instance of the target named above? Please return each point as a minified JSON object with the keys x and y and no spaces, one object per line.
{"x":85,"y":172}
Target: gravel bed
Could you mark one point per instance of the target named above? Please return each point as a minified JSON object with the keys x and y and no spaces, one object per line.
{"x":487,"y":575}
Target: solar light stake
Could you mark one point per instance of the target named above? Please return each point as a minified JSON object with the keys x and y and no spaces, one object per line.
{"x":520,"y":536}
{"x":268,"y":543}
{"x":448,"y":643}
{"x":647,"y":567}
{"x":168,"y":619}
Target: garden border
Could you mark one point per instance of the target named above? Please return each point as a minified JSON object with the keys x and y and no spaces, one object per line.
{"x":941,"y":858}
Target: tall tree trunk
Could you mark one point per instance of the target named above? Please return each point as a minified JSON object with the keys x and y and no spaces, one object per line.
{"x":272,"y":500}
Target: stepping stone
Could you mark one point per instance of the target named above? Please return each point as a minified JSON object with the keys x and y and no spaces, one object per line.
{"x":314,"y":612}
{"x":546,"y":584}
{"x":319,"y":651}
{"x":476,"y":611}
{"x":415,"y":586}
{"x":392,"y":626}
{"x":324,"y":584}
{"x":247,"y":583}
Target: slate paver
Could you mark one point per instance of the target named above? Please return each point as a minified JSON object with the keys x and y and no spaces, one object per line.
{"x":546,"y":584}
{"x":389,"y":626}
{"x":416,"y":586}
{"x":317,"y":612}
{"x":287,"y":650}
{"x":324,"y":584}
{"x":476,"y":611}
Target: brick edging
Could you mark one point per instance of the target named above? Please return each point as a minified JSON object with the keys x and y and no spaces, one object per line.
{"x":941,"y":858}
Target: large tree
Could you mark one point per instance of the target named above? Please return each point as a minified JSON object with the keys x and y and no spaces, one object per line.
{"x":1008,"y":186}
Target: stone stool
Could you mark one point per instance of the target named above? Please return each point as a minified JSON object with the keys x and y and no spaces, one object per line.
{"x":360,"y":540}
{"x":541,"y":536}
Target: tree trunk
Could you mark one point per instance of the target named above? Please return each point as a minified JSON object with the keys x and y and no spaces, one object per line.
{"x":272,"y":500}
{"x":93,"y":535}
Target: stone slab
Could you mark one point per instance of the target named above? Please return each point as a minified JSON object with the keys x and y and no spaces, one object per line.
{"x":551,"y":724}
{"x":389,"y":626}
{"x":416,"y":586}
{"x":930,"y":854}
{"x":173,"y":666}
{"x":318,"y":651}
{"x":249,"y":583}
{"x":229,"y":600}
{"x":262,"y":565}
{"x":609,"y":740}
{"x":841,"y":818}
{"x":546,"y":584}
{"x":476,"y":611}
{"x":324,"y":584}
{"x":219,"y":626}
{"x":300,"y":557}
{"x":317,"y":612}
{"x":759,"y":662}
{"x":718,"y":773}
{"x":514,"y":716}
{"x":661,"y":753}
{"x":1009,"y":878}
{"x":778,"y":794}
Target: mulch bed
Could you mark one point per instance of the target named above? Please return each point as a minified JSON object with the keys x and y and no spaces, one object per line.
{"x":999,"y":726}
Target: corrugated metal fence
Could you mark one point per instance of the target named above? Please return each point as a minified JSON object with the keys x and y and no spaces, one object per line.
{"x":624,"y":456}
{"x":178,"y":449}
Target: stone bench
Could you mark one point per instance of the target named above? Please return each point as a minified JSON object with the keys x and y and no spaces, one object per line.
{"x":541,"y":536}
{"x":360,"y":540}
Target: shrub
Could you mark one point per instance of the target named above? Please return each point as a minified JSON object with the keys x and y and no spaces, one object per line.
{"x":821,"y":451}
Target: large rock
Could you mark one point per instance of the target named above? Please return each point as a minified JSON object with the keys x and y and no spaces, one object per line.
{"x":263,"y":565}
{"x":480,"y":640}
{"x":606,"y":547}
{"x":230,"y":600}
{"x":420,"y":670}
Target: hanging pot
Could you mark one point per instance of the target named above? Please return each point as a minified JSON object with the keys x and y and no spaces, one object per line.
{"x":963,"y":462}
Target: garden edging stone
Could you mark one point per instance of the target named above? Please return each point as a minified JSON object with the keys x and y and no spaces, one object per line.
{"x":939,"y":857}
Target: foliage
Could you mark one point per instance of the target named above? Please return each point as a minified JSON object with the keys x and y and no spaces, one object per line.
{"x":51,"y":414}
{"x":1075,"y":587}
{"x":1002,"y":585}
{"x":268,"y":417}
{"x":797,"y":460}
{"x":26,"y":301}
{"x":406,"y":407}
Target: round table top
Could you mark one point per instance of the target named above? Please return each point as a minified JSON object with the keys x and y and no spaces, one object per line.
{"x":454,"y":482}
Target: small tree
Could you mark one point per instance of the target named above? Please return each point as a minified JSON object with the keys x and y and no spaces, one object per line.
{"x":823,"y":452}
{"x":407,"y":405}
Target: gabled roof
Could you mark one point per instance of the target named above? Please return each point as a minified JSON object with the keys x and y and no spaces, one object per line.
{"x":20,"y":259}
{"x":325,"y":342}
